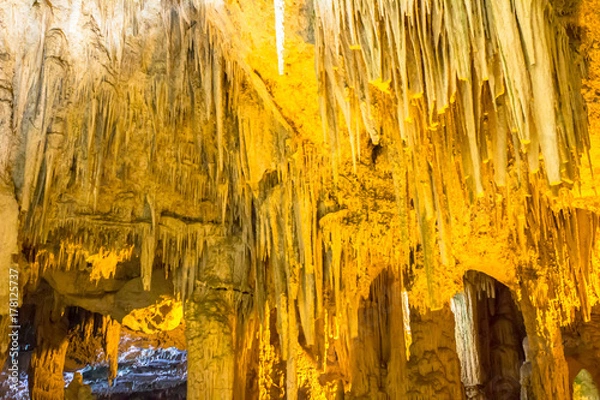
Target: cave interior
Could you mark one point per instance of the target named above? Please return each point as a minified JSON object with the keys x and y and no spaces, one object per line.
{"x":299,"y":199}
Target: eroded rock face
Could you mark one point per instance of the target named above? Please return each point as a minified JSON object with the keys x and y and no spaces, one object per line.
{"x":433,"y":367}
{"x":290,"y":192}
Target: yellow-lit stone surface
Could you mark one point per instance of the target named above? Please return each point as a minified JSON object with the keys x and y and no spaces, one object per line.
{"x":163,"y":316}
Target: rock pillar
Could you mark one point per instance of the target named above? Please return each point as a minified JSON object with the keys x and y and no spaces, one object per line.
{"x":46,"y":381}
{"x":211,"y":322}
{"x":549,"y":370}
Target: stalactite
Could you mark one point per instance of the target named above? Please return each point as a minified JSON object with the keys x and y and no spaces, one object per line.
{"x":466,"y":341}
{"x":9,"y":208}
{"x":7,"y":136}
{"x":111,"y":333}
{"x":148,"y":248}
{"x":267,"y":359}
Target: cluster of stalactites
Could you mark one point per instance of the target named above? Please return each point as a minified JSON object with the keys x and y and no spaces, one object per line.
{"x":82,"y":244}
{"x":565,"y":238}
{"x":99,"y":247}
{"x":465,"y":99}
{"x":114,"y":139}
{"x":429,"y":78}
{"x":474,"y":63}
{"x":196,"y":136}
{"x":172,"y":120}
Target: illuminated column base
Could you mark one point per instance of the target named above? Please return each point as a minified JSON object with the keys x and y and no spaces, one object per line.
{"x":210,"y":345}
{"x":210,"y":317}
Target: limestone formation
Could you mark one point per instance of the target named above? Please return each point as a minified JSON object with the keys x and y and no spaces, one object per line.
{"x":317,"y":199}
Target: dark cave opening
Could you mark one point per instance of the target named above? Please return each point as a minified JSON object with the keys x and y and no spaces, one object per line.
{"x":491,"y":338}
{"x":150,"y":366}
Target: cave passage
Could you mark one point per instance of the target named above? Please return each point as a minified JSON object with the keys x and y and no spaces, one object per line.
{"x":148,"y":366}
{"x":490,"y":336}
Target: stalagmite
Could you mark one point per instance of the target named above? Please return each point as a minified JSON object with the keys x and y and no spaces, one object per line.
{"x":211,"y":353}
{"x":46,"y":381}
{"x":525,"y":373}
{"x":111,"y":330}
{"x":406,"y":322}
{"x":549,"y":375}
{"x":76,"y":390}
{"x":399,"y":345}
{"x":584,"y":387}
{"x":267,"y":360}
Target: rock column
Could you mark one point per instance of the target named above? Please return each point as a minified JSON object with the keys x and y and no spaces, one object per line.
{"x":46,"y":381}
{"x":549,"y":370}
{"x":211,"y":321}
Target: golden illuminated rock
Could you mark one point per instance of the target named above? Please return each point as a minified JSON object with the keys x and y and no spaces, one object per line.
{"x":165,"y":315}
